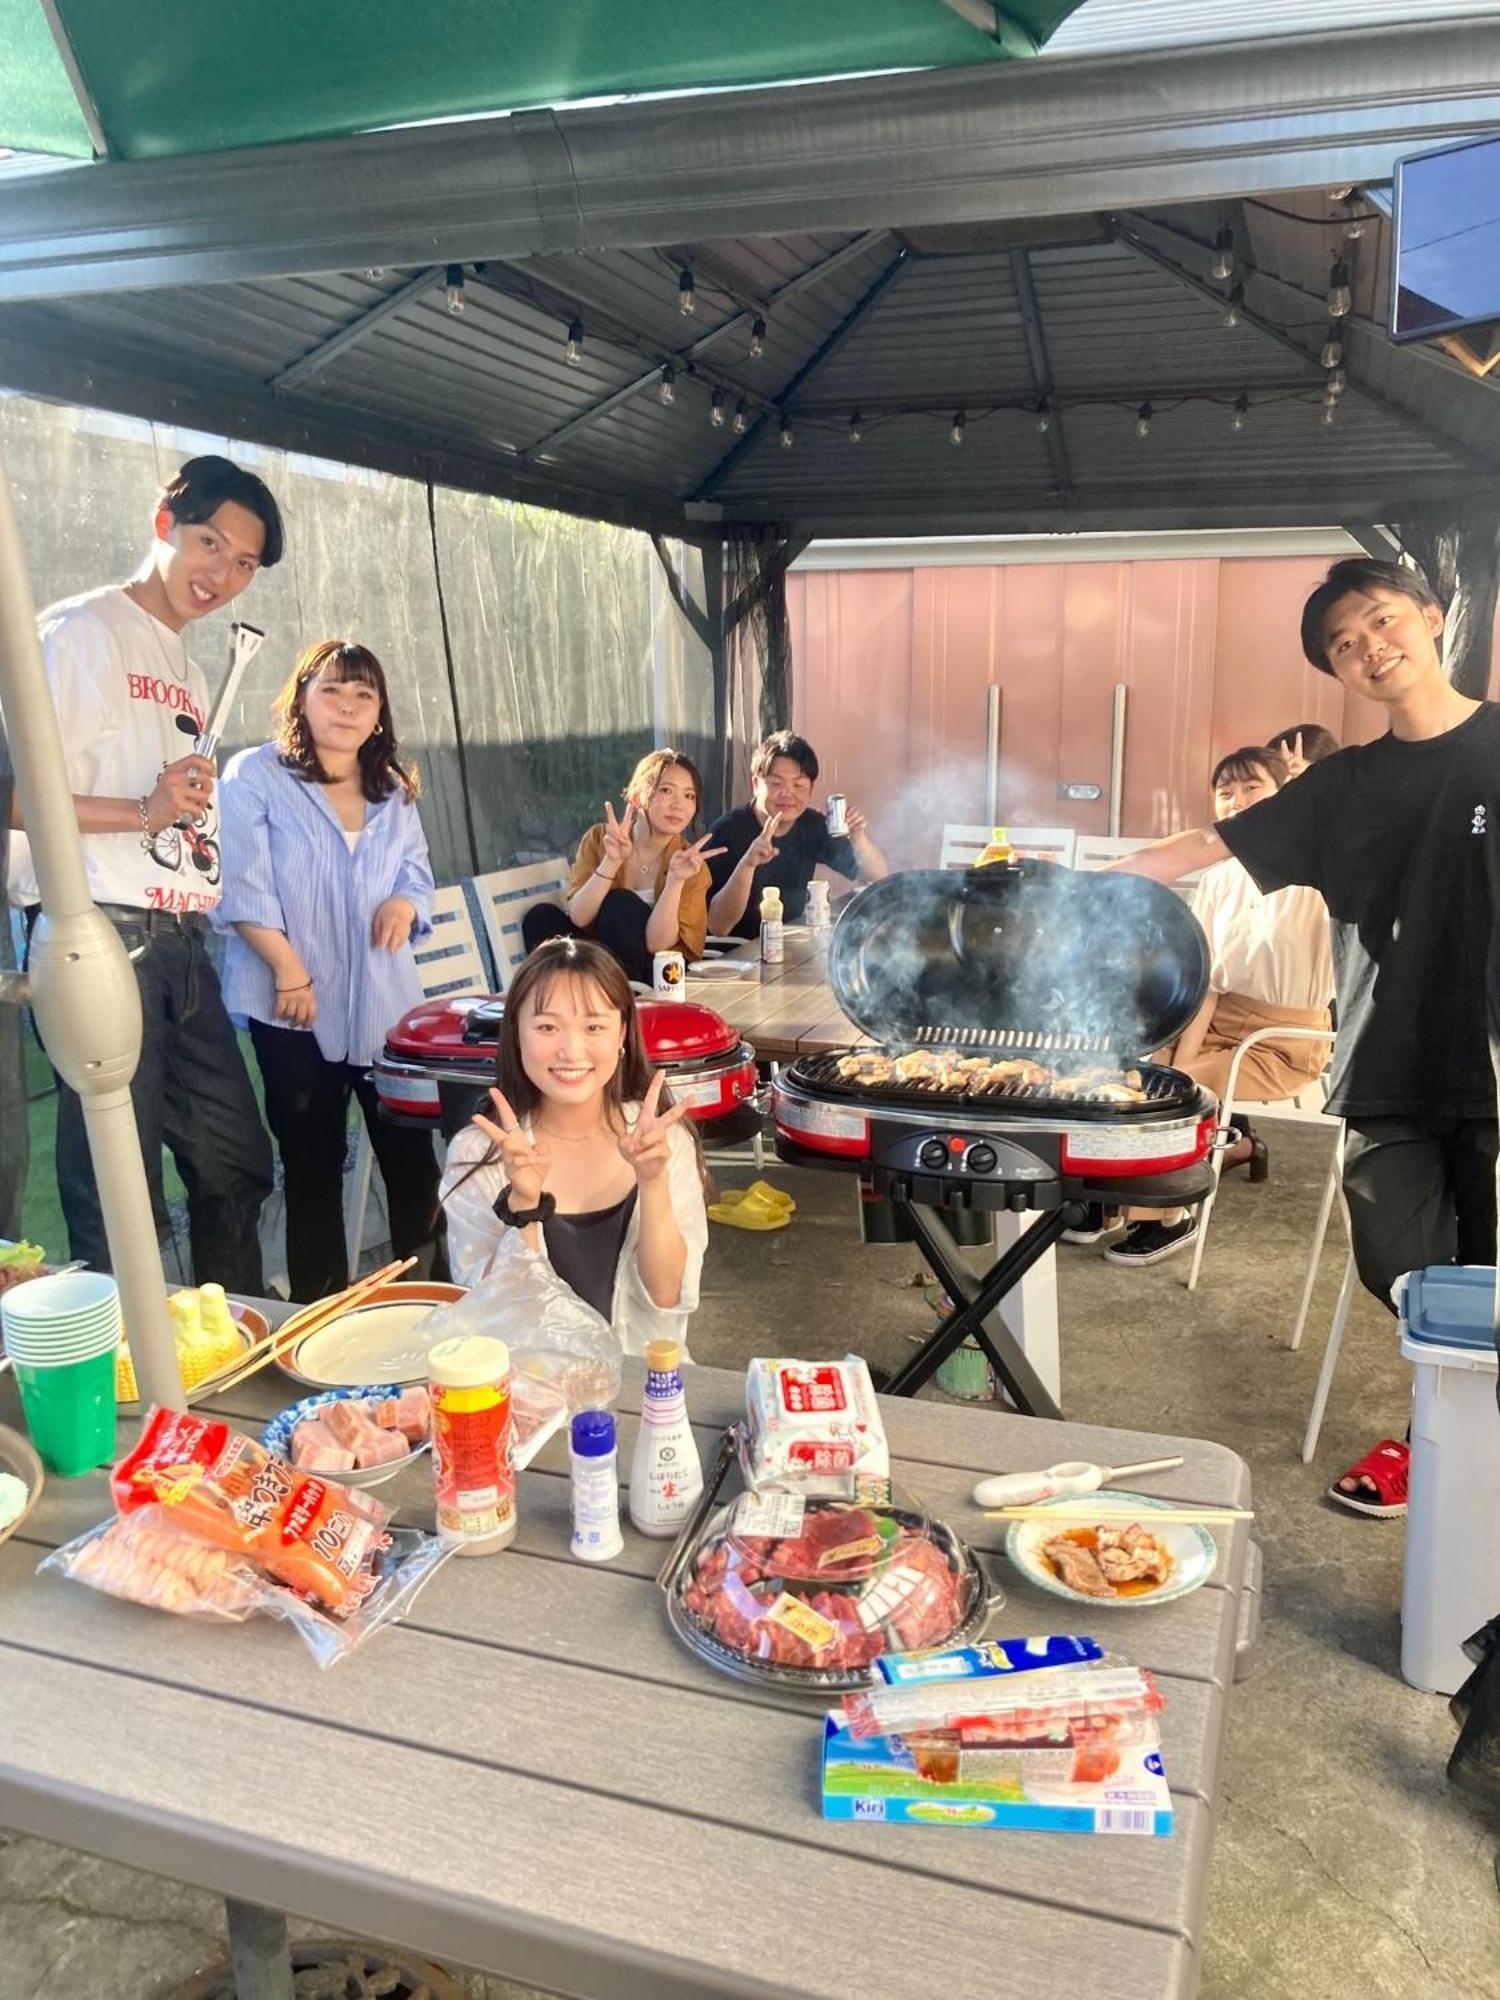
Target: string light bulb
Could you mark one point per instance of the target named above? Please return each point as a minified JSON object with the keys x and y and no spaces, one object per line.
{"x":788,"y":435}
{"x":716,"y":409}
{"x":1241,"y":411}
{"x":1233,"y":305}
{"x":573,"y":352}
{"x":1333,"y":352}
{"x":453,"y":288}
{"x":741,"y":421}
{"x":856,"y":428}
{"x":957,"y":432}
{"x":1143,"y":418}
{"x":757,"y":338}
{"x":1043,"y":416}
{"x":1335,"y":383}
{"x":1223,"y":264}
{"x":687,"y":296}
{"x":1340,"y":298}
{"x":667,"y":392}
{"x":1330,"y":409}
{"x":1354,"y":218}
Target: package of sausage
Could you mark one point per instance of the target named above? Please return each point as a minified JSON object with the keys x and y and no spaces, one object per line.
{"x":814,"y":1424}
{"x":212,"y":1525}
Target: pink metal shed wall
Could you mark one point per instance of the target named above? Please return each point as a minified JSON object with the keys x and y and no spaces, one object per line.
{"x":892,"y":668}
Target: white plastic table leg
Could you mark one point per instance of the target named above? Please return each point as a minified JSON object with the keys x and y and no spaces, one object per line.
{"x":1029,"y":1309}
{"x":1330,"y":1362}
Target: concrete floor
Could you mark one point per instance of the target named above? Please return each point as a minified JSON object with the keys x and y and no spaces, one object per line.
{"x":1343,"y":1868}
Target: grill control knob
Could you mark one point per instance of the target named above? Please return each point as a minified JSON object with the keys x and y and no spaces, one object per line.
{"x":981,"y":1159}
{"x":933,"y":1155}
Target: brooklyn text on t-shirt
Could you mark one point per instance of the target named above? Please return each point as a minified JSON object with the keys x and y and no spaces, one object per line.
{"x":166,"y":694}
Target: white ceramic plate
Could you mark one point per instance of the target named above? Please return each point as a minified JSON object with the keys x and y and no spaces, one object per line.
{"x":1192,"y":1548}
{"x":722,"y":968}
{"x":385,"y":1340}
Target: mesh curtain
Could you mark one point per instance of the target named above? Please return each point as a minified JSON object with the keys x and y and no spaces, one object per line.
{"x":758,"y":647}
{"x":1460,"y":557}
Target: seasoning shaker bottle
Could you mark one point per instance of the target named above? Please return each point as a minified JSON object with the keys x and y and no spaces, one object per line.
{"x":666,"y":1475}
{"x":595,"y":1487}
{"x":469,"y":1384}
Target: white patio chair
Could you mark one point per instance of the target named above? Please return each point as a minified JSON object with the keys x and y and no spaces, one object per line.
{"x":1331,"y":1193}
{"x":963,"y":845}
{"x":505,"y":895}
{"x":1097,"y":850}
{"x":1305,"y":1105}
{"x":448,"y":964}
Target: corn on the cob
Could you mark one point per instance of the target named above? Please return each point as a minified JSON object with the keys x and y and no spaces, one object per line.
{"x":197,"y":1357}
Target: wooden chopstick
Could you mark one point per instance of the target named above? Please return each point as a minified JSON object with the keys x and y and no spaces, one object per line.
{"x":1106,"y":1517}
{"x":309,"y":1320}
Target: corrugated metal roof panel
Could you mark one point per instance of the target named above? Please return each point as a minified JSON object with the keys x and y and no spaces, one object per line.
{"x":1114,"y":25}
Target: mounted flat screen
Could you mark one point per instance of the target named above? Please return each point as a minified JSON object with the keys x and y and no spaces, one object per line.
{"x":1447,"y":234}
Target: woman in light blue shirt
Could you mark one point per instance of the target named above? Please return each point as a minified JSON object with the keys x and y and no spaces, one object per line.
{"x":326,"y":880}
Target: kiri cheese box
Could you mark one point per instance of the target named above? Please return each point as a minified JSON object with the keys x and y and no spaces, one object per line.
{"x":880,"y":1778}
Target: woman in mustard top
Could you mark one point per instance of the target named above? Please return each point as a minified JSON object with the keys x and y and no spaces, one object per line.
{"x":639,"y":886}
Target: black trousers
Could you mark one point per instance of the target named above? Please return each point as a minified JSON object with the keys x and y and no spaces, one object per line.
{"x":620,"y":927}
{"x":307,"y":1103}
{"x":1420,"y":1191}
{"x":192,"y":1093}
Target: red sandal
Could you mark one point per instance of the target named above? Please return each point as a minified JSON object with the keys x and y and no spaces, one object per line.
{"x":1386,"y":1466}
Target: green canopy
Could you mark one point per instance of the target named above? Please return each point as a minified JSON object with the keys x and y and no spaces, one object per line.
{"x":149,"y":82}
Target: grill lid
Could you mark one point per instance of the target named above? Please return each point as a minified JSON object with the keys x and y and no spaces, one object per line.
{"x":1031,"y":948}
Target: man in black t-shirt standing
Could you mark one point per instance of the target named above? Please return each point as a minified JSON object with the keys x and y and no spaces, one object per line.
{"x":1401,"y":837}
{"x":778,"y":840}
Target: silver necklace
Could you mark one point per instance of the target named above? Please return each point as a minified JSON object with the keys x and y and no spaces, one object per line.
{"x":177,"y":668}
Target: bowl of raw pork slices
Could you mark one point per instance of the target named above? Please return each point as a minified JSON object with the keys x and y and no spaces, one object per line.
{"x":358,"y":1436}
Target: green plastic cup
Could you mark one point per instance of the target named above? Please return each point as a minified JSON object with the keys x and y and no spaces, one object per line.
{"x":70,"y":1412}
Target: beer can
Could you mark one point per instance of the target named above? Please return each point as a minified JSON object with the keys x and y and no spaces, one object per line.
{"x":669,"y":975}
{"x":838,"y":815}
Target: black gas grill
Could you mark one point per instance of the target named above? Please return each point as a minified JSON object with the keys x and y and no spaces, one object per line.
{"x":1010,"y":1009}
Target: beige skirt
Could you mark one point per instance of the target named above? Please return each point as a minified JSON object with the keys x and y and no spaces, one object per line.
{"x":1271,"y":1069}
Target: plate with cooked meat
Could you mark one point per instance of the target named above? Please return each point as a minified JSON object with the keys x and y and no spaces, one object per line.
{"x":1115,"y":1561}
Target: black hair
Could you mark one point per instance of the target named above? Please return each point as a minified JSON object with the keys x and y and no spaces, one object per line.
{"x":1317,"y":742}
{"x":1249,"y":762}
{"x":785,"y":743}
{"x":197,"y":490}
{"x":1360,"y":574}
{"x":381,"y":770}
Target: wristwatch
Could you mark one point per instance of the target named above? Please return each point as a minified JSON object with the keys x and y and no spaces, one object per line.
{"x":522,"y":1218}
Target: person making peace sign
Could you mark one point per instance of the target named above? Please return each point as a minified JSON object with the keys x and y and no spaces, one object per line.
{"x":638,"y":886}
{"x":582,"y":1150}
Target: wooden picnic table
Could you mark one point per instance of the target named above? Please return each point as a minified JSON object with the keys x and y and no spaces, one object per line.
{"x":783,"y":1011}
{"x":532,"y":1776}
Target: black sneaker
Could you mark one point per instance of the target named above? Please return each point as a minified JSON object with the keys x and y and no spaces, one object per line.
{"x":1149,"y":1242}
{"x":1099,"y":1223}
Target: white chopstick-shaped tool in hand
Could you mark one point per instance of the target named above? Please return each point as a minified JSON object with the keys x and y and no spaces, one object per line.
{"x":1028,"y":1489}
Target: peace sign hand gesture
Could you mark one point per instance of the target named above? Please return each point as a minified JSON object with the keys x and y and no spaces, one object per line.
{"x":763,"y":848}
{"x":686,"y":862}
{"x":619,"y":836}
{"x":645,"y":1150}
{"x":527,"y":1160}
{"x":1296,"y":763}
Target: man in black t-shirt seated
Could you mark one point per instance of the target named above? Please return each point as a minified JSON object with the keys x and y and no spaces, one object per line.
{"x":1401,"y":837}
{"x":778,"y":840}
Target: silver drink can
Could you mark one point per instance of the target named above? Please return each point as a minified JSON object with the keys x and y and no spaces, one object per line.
{"x":669,"y":975}
{"x":838,"y":815}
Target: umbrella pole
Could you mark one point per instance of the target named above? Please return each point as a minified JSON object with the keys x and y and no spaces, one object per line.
{"x":82,"y":986}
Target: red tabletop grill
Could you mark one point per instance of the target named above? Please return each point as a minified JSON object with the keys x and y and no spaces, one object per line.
{"x":1010,"y":1005}
{"x":439,"y":1060}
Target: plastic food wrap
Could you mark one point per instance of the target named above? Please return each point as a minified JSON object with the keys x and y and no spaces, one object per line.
{"x":815,"y":1424}
{"x":212,"y":1525}
{"x":553,"y":1337}
{"x":828,"y":1585}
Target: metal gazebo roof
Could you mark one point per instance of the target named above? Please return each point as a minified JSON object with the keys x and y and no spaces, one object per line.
{"x":928,"y":252}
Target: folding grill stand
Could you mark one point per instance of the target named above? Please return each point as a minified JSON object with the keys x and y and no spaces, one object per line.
{"x":975,"y":1315}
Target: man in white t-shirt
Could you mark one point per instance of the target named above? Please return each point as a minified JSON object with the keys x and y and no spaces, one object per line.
{"x":130,"y":703}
